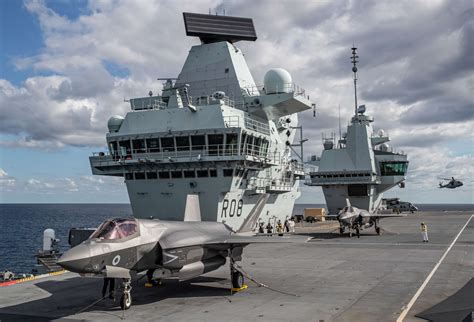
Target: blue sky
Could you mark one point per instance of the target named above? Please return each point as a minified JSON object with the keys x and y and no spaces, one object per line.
{"x":67,"y":65}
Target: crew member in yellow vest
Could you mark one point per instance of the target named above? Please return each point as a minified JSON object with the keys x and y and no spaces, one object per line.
{"x":424,"y":232}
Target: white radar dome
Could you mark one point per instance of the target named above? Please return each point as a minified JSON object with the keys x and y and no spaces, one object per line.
{"x":114,"y":123}
{"x":277,"y":80}
{"x":381,"y":132}
{"x":384,"y":147}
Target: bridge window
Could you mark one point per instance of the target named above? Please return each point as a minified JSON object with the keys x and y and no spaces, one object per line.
{"x":125,"y":150}
{"x":231,"y":144}
{"x":243,"y":144}
{"x":228,"y":172}
{"x":213,"y":173}
{"x":164,"y":174}
{"x":393,"y":168}
{"x":202,"y":173}
{"x":198,"y":142}
{"x":189,"y":174}
{"x":167,"y":144}
{"x":177,"y":174}
{"x":139,"y":146}
{"x":113,"y":147}
{"x":139,"y":175}
{"x":216,"y":143}
{"x":264,"y":148}
{"x":357,"y":190}
{"x":182,"y":143}
{"x":151,"y":175}
{"x":128,"y":176}
{"x":153,"y":145}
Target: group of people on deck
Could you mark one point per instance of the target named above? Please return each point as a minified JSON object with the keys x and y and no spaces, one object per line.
{"x":287,"y":227}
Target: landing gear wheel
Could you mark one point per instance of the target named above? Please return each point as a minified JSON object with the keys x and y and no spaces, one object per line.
{"x":126,"y":301}
{"x":378,"y":231}
{"x":358,"y":232}
{"x":237,"y":280}
{"x":341,"y":230}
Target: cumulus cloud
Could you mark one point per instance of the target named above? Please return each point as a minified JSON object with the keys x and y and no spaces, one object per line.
{"x":415,"y":73}
{"x":7,"y":183}
{"x":85,"y":185}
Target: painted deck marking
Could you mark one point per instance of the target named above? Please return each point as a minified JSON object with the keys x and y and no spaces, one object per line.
{"x":428,"y":278}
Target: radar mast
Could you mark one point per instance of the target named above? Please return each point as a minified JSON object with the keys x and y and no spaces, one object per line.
{"x":354,"y":61}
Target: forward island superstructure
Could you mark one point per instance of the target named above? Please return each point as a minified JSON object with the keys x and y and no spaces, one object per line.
{"x":211,"y":132}
{"x":361,"y":166}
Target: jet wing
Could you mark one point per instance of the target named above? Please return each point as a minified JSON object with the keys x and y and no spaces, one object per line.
{"x":246,"y":240}
{"x":386,"y":215}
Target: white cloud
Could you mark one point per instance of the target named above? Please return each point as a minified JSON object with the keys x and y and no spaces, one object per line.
{"x":415,"y":75}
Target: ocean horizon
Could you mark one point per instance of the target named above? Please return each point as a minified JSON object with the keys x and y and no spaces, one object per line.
{"x":26,"y":222}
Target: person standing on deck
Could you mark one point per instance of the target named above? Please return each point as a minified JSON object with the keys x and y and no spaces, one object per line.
{"x":292,"y":225}
{"x":424,"y":232}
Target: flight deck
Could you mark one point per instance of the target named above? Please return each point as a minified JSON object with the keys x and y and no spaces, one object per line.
{"x":328,"y":278}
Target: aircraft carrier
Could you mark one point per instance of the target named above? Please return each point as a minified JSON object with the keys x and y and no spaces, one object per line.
{"x":327,"y":278}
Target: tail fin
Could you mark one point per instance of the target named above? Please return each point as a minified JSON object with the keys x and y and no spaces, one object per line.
{"x":193,"y":210}
{"x":348,"y":203}
{"x":251,"y":220}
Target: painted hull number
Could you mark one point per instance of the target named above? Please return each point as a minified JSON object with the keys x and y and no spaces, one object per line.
{"x":231,"y":208}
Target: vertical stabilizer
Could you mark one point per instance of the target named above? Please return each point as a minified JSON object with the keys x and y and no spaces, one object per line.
{"x":192,"y":211}
{"x":348,"y":203}
{"x":249,"y":223}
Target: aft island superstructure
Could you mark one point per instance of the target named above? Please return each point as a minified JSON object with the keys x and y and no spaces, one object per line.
{"x":211,"y":132}
{"x":361,"y":166}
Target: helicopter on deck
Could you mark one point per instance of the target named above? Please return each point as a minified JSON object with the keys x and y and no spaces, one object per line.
{"x":451,"y":184}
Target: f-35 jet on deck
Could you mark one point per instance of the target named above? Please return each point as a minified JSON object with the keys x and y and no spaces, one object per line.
{"x":120,"y":248}
{"x":355,"y":219}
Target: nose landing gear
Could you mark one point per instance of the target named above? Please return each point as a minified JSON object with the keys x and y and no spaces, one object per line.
{"x":126,"y":299}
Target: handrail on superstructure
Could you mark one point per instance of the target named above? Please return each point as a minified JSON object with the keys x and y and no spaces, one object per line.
{"x":259,"y":90}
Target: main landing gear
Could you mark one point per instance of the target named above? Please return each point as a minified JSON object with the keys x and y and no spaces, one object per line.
{"x":126,"y":299}
{"x":377,"y":228}
{"x":236,"y":277}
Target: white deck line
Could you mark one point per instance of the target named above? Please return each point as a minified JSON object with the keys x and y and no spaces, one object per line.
{"x":428,"y":278}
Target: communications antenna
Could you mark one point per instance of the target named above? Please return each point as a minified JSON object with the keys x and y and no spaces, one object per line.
{"x":340,"y":134}
{"x":354,"y":61}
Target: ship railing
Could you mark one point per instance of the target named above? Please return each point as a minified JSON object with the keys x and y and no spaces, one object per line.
{"x":232,"y":121}
{"x":257,"y":126}
{"x":259,"y":90}
{"x":249,"y":123}
{"x":254,"y":152}
{"x":147,"y":103}
{"x":296,"y":166}
{"x":354,"y":178}
{"x":269,"y":184}
{"x":212,"y":100}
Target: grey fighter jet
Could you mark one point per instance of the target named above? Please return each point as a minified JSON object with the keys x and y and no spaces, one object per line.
{"x":355,"y":219}
{"x":120,"y":248}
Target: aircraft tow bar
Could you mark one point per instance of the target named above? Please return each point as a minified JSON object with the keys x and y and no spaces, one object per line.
{"x":240,"y":269}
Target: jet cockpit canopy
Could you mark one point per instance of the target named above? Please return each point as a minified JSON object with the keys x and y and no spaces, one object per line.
{"x":118,"y":228}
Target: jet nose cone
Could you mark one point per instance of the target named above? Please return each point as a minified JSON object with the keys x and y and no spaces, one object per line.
{"x":75,"y":259}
